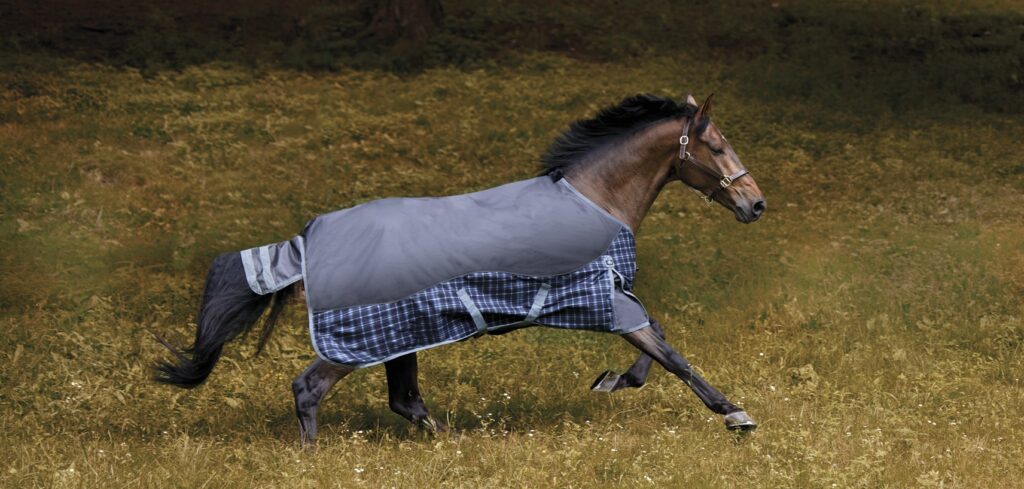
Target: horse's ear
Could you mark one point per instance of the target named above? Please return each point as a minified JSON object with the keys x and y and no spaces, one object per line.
{"x":705,"y":108}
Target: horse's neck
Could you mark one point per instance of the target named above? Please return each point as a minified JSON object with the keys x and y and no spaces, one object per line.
{"x":627,"y":178}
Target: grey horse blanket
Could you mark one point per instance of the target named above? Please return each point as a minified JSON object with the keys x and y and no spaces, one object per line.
{"x":394,"y":276}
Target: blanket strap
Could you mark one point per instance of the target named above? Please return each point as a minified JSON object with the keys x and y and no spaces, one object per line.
{"x":478,"y":317}
{"x":538,"y":303}
{"x":474,"y":312}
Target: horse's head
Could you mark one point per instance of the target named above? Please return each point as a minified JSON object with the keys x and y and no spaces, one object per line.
{"x":708,"y":164}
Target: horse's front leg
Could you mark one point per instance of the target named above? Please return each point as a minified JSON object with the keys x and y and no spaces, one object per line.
{"x":649,"y":341}
{"x":309,"y":388}
{"x":635,"y":377}
{"x":404,"y":394}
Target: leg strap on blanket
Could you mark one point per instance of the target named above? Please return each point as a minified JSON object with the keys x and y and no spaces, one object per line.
{"x":538,"y":303}
{"x":474,"y":312}
{"x":478,"y":317}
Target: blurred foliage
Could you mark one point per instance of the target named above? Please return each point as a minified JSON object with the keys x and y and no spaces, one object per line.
{"x":848,"y":55}
{"x":872,"y":321}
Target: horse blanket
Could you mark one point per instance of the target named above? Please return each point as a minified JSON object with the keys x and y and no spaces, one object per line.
{"x":394,"y":276}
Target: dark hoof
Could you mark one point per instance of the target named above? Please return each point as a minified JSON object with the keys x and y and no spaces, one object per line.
{"x":605,"y":382}
{"x":307,"y":443}
{"x":740,"y":421}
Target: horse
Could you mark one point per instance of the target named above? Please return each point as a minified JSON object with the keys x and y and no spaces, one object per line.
{"x":555,"y":250}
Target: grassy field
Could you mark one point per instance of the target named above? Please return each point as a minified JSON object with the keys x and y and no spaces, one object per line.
{"x":872,"y":321}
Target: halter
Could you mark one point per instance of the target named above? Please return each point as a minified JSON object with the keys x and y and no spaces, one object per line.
{"x":724,"y":181}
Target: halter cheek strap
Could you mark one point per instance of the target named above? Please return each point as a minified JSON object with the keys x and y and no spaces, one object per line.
{"x":724,"y":181}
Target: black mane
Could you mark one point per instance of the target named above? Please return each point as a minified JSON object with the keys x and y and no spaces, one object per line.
{"x":611,"y":123}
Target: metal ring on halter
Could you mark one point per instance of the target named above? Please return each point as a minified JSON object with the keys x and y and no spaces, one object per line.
{"x":684,"y":140}
{"x":708,"y":199}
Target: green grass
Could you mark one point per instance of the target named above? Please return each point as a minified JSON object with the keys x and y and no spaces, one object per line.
{"x":872,"y":322}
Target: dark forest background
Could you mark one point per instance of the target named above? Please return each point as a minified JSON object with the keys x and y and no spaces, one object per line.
{"x":847,"y":54}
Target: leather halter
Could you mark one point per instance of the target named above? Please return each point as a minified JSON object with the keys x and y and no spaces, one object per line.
{"x":724,"y":181}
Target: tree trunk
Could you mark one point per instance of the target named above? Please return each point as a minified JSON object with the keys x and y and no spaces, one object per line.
{"x":410,"y":20}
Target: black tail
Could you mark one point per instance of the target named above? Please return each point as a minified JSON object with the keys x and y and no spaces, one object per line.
{"x":230,"y":308}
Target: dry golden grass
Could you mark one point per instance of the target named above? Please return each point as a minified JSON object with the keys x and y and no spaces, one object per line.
{"x":872,"y":322}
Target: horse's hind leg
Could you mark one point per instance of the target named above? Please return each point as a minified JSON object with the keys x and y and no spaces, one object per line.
{"x":404,"y":394}
{"x":649,"y":341}
{"x":309,"y":388}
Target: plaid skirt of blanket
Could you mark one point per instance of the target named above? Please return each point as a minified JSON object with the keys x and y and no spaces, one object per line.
{"x":475,"y":304}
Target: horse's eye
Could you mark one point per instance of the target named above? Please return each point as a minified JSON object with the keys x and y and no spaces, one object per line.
{"x":717,"y":151}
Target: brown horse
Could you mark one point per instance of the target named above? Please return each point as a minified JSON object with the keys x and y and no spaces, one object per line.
{"x":620,"y":160}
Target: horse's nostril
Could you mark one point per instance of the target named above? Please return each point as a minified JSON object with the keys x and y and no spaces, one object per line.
{"x":759,"y":207}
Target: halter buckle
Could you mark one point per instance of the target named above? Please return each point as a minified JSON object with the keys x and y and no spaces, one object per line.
{"x":725,"y":182}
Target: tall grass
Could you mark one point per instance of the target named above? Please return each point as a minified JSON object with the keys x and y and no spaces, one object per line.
{"x":872,"y":321}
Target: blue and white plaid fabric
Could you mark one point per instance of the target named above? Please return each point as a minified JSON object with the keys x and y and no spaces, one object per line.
{"x":366,"y":335}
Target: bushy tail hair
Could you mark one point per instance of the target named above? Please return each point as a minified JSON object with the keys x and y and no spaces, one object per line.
{"x":229,"y":309}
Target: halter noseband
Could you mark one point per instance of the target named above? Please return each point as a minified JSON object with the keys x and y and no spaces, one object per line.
{"x":724,"y":181}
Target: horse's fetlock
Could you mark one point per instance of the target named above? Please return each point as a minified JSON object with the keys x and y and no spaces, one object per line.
{"x":397,"y":407}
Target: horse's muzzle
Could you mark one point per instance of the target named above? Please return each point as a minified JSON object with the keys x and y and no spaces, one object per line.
{"x":750,"y":213}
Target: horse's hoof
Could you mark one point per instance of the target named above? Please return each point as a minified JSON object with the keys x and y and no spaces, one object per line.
{"x":433,"y":425}
{"x":740,"y":421}
{"x":605,"y":382}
